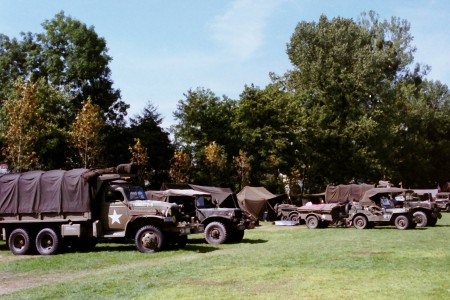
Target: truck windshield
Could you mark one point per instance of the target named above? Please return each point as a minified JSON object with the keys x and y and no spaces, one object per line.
{"x":135,"y":193}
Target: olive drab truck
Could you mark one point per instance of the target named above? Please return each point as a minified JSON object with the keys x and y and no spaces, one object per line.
{"x":47,"y":211}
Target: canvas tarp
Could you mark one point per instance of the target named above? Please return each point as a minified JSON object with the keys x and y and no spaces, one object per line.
{"x":224,"y":196}
{"x":257,"y":200}
{"x":346,"y":192}
{"x":372,"y":196}
{"x":54,"y":191}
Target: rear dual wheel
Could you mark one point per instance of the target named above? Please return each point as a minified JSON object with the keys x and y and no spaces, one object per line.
{"x":47,"y":241}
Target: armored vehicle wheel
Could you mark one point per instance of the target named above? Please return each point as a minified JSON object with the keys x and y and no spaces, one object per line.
{"x":216,"y":233}
{"x":19,"y":241}
{"x":447,"y":208}
{"x":149,"y":239}
{"x":402,"y":222}
{"x":312,"y":222}
{"x":47,"y":241}
{"x":421,"y":218}
{"x":360,"y":222}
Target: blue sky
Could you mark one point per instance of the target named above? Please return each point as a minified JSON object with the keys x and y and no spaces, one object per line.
{"x":161,"y":49}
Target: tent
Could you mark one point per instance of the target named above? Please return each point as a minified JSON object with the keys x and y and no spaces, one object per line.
{"x":256,"y":200}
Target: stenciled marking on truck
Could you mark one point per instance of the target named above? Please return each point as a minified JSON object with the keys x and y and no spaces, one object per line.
{"x":115,"y":217}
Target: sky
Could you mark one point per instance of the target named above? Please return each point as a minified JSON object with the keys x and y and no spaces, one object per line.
{"x":161,"y":49}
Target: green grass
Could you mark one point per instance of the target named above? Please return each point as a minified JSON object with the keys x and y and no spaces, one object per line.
{"x":273,"y":262}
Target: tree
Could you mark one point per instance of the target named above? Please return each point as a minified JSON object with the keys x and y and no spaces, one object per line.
{"x":180,"y":167}
{"x":216,"y":164}
{"x":71,"y":57}
{"x":345,"y":74}
{"x":22,"y":124}
{"x":243,"y":169}
{"x":203,"y":118}
{"x":147,"y":128}
{"x":85,"y":133}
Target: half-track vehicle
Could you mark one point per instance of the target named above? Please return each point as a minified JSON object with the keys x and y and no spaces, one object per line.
{"x":221,"y":224}
{"x":47,"y":211}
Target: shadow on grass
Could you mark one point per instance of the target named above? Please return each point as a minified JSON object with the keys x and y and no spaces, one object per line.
{"x":3,"y":247}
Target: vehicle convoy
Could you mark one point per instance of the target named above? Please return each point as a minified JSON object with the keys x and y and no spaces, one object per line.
{"x":425,"y":209}
{"x":221,"y":224}
{"x":443,"y":201}
{"x":45,"y":211}
{"x":365,"y":213}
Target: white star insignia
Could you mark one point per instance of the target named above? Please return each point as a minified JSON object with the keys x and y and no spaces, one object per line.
{"x":115,"y":217}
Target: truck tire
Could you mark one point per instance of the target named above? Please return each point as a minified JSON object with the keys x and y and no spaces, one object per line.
{"x":360,"y":222}
{"x":236,"y":236}
{"x":149,"y":239}
{"x":432,"y":221}
{"x":312,"y":222}
{"x":19,"y":241}
{"x":447,"y":208}
{"x":402,"y":222}
{"x":216,"y":233}
{"x":47,"y":241}
{"x":421,"y":218}
{"x":294,"y":217}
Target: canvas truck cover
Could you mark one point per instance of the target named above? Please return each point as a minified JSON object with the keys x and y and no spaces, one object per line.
{"x":163,"y":195}
{"x":369,"y":196}
{"x":346,"y":192}
{"x":55,"y":191}
{"x":224,"y":196}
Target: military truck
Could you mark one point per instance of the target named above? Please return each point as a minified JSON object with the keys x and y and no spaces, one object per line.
{"x":221,"y":224}
{"x":423,"y":206}
{"x":443,"y":201}
{"x":44,"y":211}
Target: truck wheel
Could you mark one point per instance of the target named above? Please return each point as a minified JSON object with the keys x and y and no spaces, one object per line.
{"x":216,"y":233}
{"x":432,"y":221}
{"x":19,"y":241}
{"x":47,"y":241}
{"x":149,"y":239}
{"x":402,"y":222}
{"x":182,"y":241}
{"x":421,"y":218}
{"x":360,"y":222}
{"x":447,"y":208}
{"x":235,"y":236}
{"x":312,"y":222}
{"x":294,"y":217}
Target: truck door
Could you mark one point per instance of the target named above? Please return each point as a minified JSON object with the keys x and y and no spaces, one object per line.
{"x":115,"y":211}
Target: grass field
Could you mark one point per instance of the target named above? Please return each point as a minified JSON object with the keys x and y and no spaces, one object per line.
{"x":272,"y":262}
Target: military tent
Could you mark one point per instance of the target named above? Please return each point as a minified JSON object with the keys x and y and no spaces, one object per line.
{"x":256,"y":200}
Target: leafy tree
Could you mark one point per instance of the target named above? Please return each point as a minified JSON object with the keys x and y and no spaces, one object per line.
{"x":203,"y":118}
{"x":265,"y":121}
{"x":243,"y":169}
{"x":71,"y":57}
{"x":216,"y":164}
{"x":85,"y":133}
{"x":22,"y":124}
{"x":180,"y":167}
{"x":345,"y":74}
{"x":147,"y":128}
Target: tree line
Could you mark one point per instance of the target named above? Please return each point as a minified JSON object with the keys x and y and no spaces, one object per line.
{"x":354,"y":107}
